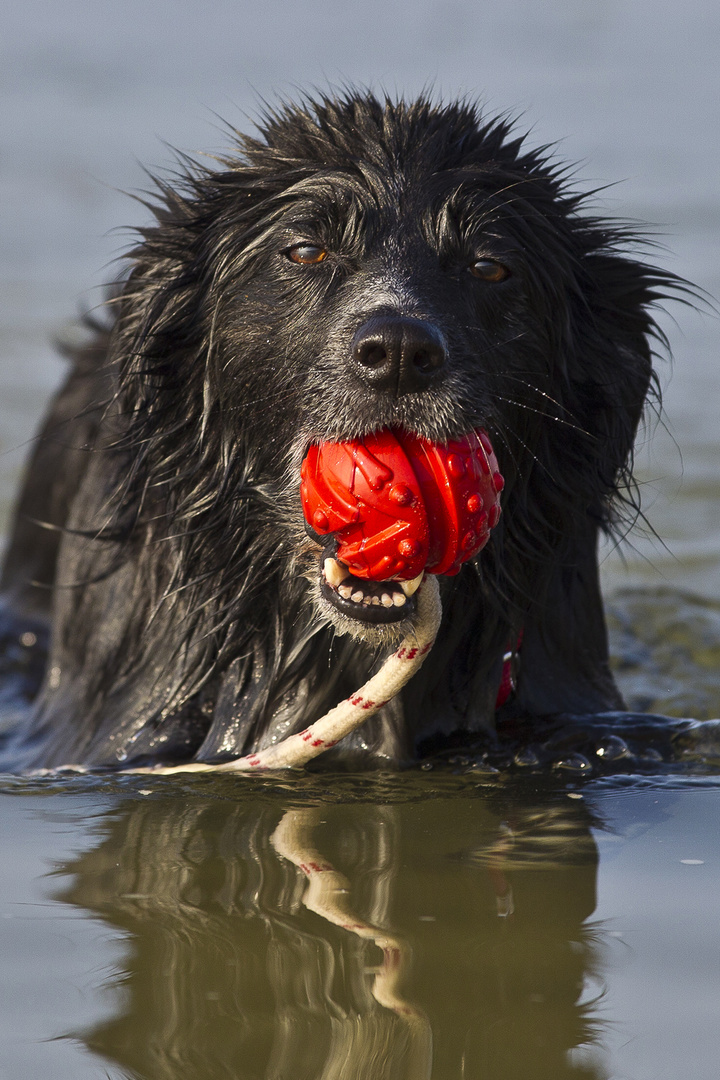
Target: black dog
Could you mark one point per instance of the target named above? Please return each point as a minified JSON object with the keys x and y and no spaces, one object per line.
{"x":364,"y":264}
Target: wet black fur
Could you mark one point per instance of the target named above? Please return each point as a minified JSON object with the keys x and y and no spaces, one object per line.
{"x":180,"y":583}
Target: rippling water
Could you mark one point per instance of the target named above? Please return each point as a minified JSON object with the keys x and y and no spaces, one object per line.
{"x":383,"y":927}
{"x":548,"y":910}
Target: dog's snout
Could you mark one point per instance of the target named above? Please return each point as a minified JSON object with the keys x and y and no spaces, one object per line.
{"x":398,"y":354}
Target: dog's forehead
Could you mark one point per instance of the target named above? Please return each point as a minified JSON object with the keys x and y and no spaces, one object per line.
{"x":394,"y":202}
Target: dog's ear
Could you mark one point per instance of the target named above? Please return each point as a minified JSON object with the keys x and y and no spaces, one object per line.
{"x":164,"y":341}
{"x":584,"y":483}
{"x":614,"y":335}
{"x":608,"y":376}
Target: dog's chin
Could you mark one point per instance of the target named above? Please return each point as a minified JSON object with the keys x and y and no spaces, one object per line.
{"x":377,"y":612}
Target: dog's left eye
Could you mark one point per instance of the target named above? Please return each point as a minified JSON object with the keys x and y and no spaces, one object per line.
{"x":489,"y":270}
{"x":306,"y":254}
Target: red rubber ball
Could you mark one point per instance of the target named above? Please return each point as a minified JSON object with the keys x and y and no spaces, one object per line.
{"x":399,"y":504}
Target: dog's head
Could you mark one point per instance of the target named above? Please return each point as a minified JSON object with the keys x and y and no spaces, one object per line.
{"x":368,"y":264}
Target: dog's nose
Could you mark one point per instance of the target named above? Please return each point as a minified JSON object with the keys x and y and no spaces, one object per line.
{"x":398,"y":354}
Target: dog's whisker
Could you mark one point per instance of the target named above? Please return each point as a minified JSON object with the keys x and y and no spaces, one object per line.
{"x":543,"y":413}
{"x":529,"y":386}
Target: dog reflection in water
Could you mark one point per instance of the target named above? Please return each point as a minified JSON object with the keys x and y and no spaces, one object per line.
{"x":355,"y":941}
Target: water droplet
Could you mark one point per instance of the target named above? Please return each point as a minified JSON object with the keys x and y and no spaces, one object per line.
{"x":612,"y":748}
{"x":576,"y":763}
{"x":526,"y":757}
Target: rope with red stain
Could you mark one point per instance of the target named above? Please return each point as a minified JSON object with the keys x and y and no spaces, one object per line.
{"x":398,"y":669}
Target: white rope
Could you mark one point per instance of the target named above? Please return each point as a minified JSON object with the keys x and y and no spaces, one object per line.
{"x":298,"y":749}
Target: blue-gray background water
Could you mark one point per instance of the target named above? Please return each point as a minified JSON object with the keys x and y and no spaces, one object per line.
{"x":91,"y":92}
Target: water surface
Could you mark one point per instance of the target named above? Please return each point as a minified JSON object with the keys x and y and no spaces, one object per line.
{"x":412,"y":926}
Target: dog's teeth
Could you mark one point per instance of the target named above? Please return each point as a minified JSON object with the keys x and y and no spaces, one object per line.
{"x":409,"y":587}
{"x":335,"y":572}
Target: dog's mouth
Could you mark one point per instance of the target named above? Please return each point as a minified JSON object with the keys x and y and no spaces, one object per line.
{"x":388,"y":508}
{"x":373,"y":602}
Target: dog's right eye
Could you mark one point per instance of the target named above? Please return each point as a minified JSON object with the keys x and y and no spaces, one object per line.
{"x":306,"y":254}
{"x":489,"y":270}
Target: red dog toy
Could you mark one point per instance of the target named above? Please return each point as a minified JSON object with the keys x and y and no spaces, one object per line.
{"x":399,"y":504}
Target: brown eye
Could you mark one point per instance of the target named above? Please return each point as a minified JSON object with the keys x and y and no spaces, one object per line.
{"x":306,"y":254}
{"x":489,"y":270}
